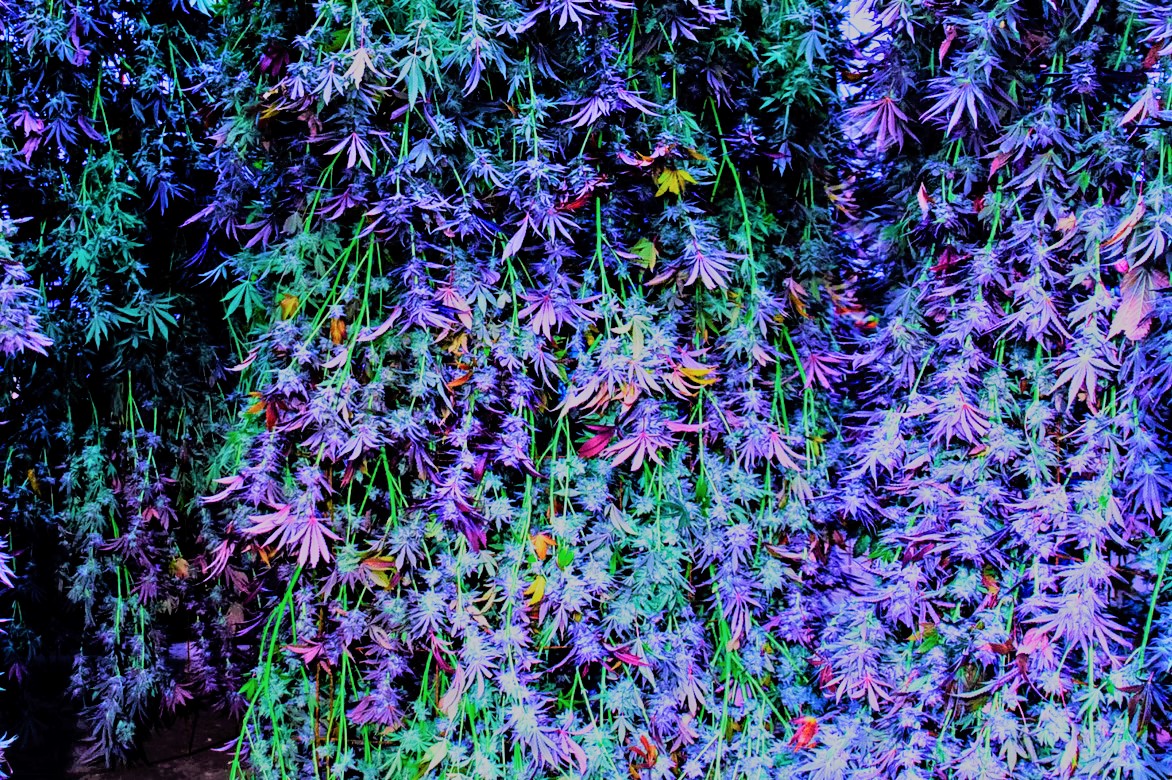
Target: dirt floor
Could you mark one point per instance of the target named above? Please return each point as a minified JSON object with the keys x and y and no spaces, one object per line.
{"x":184,"y":751}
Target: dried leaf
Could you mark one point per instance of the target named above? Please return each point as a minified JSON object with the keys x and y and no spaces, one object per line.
{"x":289,"y":305}
{"x":1138,"y":290}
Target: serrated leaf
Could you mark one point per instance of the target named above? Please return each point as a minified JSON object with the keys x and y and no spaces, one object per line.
{"x":673,"y":180}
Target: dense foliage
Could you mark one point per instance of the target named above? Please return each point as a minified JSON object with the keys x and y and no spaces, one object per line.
{"x":592,"y":388}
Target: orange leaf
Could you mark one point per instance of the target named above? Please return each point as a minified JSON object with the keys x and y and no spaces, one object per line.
{"x":378,"y":567}
{"x":797,"y":294}
{"x":992,"y":586}
{"x":337,"y":330}
{"x":541,"y":545}
{"x":289,"y":306}
{"x":925,"y":201}
{"x":460,"y":380}
{"x":648,"y":755}
{"x":1127,"y":225}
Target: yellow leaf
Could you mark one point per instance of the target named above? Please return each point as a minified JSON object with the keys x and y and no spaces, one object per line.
{"x":673,"y":180}
{"x":696,"y":155}
{"x":646,"y":252}
{"x":289,"y":306}
{"x":536,"y":591}
{"x":378,"y":568}
{"x":458,"y":345}
{"x":699,"y":372}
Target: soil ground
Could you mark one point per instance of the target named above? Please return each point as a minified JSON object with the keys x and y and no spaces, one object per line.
{"x":182,"y":751}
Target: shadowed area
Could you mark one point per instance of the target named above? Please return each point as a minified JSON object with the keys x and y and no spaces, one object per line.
{"x":185,"y":749}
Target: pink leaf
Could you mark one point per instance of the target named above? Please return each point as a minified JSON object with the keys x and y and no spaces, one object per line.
{"x":594,"y":446}
{"x":518,"y":239}
{"x":204,"y":212}
{"x":1139,"y":287}
{"x":365,"y":336}
{"x":246,"y":362}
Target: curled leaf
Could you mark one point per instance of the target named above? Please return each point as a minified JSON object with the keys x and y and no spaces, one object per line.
{"x":536,"y":591}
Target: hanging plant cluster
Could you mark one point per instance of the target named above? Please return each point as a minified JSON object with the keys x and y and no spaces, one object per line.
{"x":593,"y":388}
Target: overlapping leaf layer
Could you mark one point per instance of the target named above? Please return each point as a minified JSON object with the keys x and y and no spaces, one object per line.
{"x":593,"y":388}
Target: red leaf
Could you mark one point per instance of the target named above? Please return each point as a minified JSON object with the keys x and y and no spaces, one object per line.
{"x":807,"y":728}
{"x":998,"y":163}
